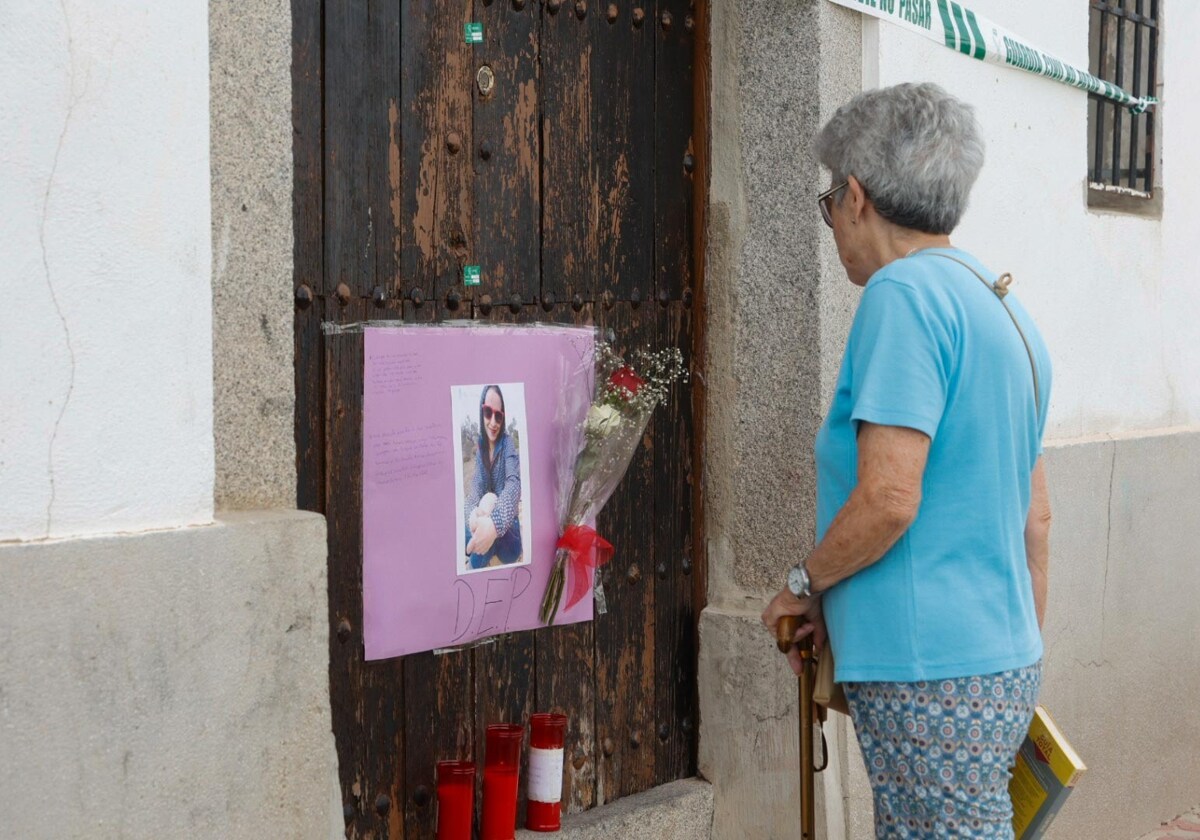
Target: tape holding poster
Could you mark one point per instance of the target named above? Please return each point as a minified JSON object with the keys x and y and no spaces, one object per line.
{"x":959,"y":28}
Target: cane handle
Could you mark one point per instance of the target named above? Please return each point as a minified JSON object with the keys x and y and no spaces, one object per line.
{"x":785,"y":632}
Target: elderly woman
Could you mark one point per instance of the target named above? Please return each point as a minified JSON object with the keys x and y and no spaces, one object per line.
{"x":929,"y":573}
{"x":493,"y":529}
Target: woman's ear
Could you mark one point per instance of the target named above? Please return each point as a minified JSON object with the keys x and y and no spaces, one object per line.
{"x":855,"y":200}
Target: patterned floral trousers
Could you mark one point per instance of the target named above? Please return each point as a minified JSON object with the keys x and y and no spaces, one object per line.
{"x":939,"y":753}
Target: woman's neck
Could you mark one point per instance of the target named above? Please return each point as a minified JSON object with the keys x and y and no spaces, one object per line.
{"x":901,"y":243}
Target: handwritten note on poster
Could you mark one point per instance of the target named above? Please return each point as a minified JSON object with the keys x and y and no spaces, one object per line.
{"x":459,"y":528}
{"x":405,"y":454}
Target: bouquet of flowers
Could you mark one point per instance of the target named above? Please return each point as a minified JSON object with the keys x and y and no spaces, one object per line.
{"x":593,"y":457}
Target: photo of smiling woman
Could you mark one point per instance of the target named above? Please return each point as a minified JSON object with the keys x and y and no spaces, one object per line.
{"x":494,"y":484}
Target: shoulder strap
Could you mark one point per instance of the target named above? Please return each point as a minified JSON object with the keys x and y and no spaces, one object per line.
{"x":1000,"y":289}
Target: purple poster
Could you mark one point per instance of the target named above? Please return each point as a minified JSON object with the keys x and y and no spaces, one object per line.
{"x":459,"y":523}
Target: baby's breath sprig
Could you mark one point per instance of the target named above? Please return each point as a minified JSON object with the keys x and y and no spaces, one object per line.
{"x":638,"y":388}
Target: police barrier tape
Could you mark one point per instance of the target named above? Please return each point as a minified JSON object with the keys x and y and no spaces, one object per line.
{"x":975,"y":36}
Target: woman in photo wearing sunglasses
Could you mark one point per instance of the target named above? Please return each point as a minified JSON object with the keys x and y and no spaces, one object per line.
{"x":493,"y":531}
{"x":932,"y":508}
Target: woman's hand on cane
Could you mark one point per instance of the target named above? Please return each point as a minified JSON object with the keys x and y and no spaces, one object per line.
{"x":812,"y":621}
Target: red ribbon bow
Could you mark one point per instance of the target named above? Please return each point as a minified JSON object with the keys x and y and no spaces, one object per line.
{"x":585,"y":551}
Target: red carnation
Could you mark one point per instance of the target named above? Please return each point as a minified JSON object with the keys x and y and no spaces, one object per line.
{"x":624,"y":378}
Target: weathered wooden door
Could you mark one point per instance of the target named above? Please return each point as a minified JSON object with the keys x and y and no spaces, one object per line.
{"x":557,"y":155}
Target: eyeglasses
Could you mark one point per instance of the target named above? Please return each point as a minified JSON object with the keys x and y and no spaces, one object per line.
{"x":489,"y":412}
{"x":825,"y":202}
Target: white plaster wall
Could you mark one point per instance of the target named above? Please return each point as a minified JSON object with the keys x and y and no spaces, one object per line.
{"x":1115,"y":295}
{"x":105,"y":331}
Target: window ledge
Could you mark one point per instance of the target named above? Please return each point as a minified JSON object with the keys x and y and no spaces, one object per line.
{"x":680,"y":810}
{"x":1127,"y":202}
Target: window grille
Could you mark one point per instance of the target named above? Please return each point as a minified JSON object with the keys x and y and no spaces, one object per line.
{"x":1123,"y":44}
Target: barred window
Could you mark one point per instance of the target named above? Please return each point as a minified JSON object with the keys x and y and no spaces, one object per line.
{"x":1123,"y":49}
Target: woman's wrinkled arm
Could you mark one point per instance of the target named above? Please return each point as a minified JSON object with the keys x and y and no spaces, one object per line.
{"x":505,"y":512}
{"x":1037,"y":539}
{"x":884,"y":503}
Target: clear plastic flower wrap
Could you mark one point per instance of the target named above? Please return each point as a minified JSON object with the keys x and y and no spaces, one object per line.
{"x":592,"y":458}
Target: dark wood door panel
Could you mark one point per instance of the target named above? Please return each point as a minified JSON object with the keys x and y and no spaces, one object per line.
{"x":569,"y":183}
{"x":508,"y":181}
{"x":436,"y":149}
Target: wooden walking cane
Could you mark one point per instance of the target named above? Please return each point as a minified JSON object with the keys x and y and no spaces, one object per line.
{"x":785,"y":629}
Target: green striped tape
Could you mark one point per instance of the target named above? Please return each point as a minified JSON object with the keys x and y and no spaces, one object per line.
{"x":959,"y":28}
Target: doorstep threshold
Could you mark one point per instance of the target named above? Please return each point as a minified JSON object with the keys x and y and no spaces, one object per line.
{"x":680,"y":810}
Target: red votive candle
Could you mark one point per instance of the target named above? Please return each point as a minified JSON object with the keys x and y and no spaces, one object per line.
{"x":543,"y":810}
{"x":456,"y":799}
{"x":501,"y":766}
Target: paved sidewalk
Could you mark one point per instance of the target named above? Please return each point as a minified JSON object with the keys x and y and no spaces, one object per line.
{"x":1186,"y":827}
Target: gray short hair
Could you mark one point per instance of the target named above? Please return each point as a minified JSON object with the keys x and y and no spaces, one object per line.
{"x":916,"y":150}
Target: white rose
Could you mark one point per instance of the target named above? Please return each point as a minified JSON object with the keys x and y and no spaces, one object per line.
{"x":603,"y":420}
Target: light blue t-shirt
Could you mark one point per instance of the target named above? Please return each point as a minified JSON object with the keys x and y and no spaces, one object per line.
{"x":932,"y":348}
